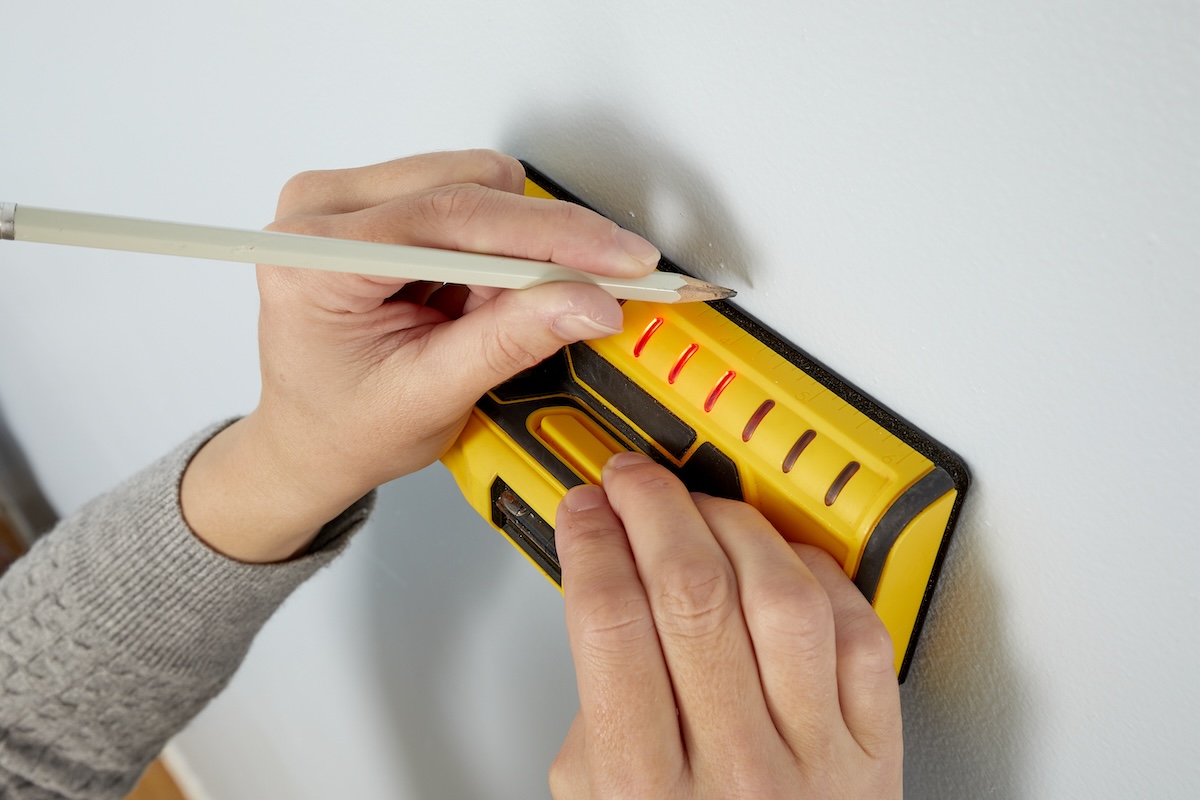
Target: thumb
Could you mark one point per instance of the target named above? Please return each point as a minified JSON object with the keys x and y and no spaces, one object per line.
{"x":568,"y":773}
{"x":515,"y":330}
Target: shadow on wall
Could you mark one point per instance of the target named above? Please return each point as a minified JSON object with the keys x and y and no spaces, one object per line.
{"x":967,"y":703}
{"x":471,"y":655}
{"x":624,"y":174}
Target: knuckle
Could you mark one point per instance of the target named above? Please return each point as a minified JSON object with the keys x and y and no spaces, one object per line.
{"x":302,"y":186}
{"x":581,"y":535}
{"x":571,"y":214}
{"x":815,"y":557}
{"x":455,"y":205}
{"x":566,"y":764}
{"x":649,"y":480}
{"x":696,"y":598}
{"x":613,"y":621}
{"x":652,"y":480}
{"x":498,"y":169}
{"x":792,"y":610}
{"x":557,"y":778}
{"x":576,"y":232}
{"x":732,"y":514}
{"x":506,"y":355}
{"x":865,"y":643}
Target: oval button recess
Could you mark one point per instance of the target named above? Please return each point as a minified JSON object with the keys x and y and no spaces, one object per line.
{"x":578,"y":441}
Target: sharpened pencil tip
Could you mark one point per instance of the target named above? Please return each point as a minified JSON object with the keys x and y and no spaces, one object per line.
{"x":697,"y":291}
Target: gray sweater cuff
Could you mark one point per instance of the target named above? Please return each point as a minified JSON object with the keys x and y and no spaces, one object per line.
{"x":180,"y":604}
{"x":120,"y":625}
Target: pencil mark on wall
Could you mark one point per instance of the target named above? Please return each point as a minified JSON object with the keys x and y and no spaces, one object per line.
{"x":626,"y":173}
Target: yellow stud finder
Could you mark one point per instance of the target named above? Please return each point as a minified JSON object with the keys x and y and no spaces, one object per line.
{"x":735,"y":411}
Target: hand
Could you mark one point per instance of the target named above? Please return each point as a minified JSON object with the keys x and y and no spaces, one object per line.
{"x":367,"y":379}
{"x":713,"y":658}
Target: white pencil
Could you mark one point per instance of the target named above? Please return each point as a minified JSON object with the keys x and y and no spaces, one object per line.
{"x":31,"y":224}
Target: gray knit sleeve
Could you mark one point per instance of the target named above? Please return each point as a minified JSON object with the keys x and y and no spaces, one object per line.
{"x":118,"y":627}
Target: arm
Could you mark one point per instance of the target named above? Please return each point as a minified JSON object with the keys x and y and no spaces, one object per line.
{"x":119,"y":626}
{"x":123,"y":622}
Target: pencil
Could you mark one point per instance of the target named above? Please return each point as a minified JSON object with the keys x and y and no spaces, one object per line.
{"x":51,"y":226}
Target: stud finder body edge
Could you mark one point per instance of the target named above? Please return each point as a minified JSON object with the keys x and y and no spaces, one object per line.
{"x":735,"y":411}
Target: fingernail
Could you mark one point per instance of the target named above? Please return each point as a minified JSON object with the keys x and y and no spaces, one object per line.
{"x":636,"y":247}
{"x":584,"y":498}
{"x":581,"y":326}
{"x":626,"y":459}
{"x":605,"y":320}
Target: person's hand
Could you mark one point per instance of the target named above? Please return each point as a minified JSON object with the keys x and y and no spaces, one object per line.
{"x":713,"y":658}
{"x":367,"y":379}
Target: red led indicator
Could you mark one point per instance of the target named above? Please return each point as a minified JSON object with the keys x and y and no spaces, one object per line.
{"x":654,"y":325}
{"x":726,"y":379}
{"x":840,"y":482}
{"x":756,"y":418}
{"x":804,"y":441}
{"x":683,"y":359}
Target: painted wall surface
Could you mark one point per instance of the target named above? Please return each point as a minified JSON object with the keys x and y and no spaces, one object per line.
{"x":984,"y":214}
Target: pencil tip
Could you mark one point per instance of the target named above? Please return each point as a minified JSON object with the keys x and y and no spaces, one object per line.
{"x":698,"y":291}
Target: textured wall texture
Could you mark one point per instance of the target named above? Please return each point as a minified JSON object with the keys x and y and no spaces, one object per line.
{"x":985,"y":215}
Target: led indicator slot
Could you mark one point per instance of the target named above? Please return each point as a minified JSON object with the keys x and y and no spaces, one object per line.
{"x":804,"y":441}
{"x":755,"y":418}
{"x":726,"y":379}
{"x":683,"y":359}
{"x":654,"y":325}
{"x":840,"y":482}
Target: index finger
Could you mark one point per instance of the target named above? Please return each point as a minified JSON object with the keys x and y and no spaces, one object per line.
{"x":479,"y":219}
{"x":693,"y":594}
{"x":791,"y":620}
{"x":625,"y":692}
{"x":340,"y":191}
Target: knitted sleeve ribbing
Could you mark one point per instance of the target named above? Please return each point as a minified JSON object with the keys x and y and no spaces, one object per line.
{"x":117,"y":628}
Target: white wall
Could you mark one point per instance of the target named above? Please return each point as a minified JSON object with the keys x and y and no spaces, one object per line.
{"x":985,"y":214}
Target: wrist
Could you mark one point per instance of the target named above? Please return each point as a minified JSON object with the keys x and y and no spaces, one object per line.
{"x":256,"y":496}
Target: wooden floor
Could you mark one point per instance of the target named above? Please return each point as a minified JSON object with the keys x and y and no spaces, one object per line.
{"x":156,"y":784}
{"x":10,"y":544}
